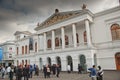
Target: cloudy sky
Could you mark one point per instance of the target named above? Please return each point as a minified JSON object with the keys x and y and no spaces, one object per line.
{"x":21,"y":15}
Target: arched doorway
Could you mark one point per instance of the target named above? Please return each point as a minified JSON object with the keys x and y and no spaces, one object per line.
{"x":26,"y":62}
{"x":70,"y":62}
{"x":58,"y":61}
{"x":117,"y":60}
{"x":41,"y":63}
{"x":49,"y":61}
{"x":83,"y":62}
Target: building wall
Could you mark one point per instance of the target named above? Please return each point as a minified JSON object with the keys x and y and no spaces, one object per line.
{"x":100,"y":29}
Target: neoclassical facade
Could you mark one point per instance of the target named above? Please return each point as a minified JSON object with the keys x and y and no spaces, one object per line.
{"x":72,"y":38}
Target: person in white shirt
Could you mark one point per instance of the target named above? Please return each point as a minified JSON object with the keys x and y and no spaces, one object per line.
{"x":68,"y":68}
{"x":8,"y":70}
{"x":3,"y":72}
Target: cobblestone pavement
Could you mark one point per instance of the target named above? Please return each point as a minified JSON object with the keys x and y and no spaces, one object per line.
{"x":108,"y":75}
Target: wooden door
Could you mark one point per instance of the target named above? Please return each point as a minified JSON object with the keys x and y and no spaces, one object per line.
{"x":117,"y":58}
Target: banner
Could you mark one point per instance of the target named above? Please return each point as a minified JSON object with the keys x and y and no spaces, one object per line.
{"x":1,"y":54}
{"x":30,"y":43}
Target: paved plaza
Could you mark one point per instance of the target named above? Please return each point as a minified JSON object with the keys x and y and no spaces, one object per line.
{"x":108,"y":75}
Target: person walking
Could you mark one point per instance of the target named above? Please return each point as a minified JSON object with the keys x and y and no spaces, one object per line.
{"x":48,"y":71}
{"x":26,"y":72}
{"x":3,"y":72}
{"x":11,"y":73}
{"x":100,"y":73}
{"x":57,"y":70}
{"x":45,"y":71}
{"x":93,"y":72}
{"x":68,"y":68}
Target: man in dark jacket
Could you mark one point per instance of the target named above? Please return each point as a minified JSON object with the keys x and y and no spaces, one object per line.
{"x":57,"y":70}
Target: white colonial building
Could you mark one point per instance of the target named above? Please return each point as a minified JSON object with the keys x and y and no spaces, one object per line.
{"x":72,"y":38}
{"x":9,"y":53}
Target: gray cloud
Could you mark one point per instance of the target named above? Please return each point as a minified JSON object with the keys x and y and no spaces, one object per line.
{"x":24,"y":14}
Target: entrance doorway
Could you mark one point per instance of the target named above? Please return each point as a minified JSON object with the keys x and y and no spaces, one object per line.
{"x":117,"y":60}
{"x":82,"y":59}
{"x":70,"y":62}
{"x":58,"y":61}
{"x":49,"y":61}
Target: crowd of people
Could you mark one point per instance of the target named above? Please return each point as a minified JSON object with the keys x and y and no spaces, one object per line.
{"x":24,"y":72}
{"x":21,"y":71}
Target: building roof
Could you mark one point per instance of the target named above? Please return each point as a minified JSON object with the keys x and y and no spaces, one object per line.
{"x":61,"y":16}
{"x":22,"y":32}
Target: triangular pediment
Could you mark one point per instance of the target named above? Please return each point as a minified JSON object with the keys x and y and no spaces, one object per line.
{"x":58,"y":17}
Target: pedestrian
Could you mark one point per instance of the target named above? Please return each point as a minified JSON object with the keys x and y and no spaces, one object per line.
{"x":54,"y":69}
{"x":68,"y":69}
{"x":31,"y":71}
{"x":11,"y":73}
{"x":45,"y":71}
{"x":57,"y":70}
{"x":79,"y":69}
{"x":3,"y":72}
{"x":8,"y":71}
{"x":26,"y":72}
{"x":37,"y":70}
{"x":100,"y":73}
{"x":48,"y":71}
{"x":19,"y":73}
{"x":93,"y":72}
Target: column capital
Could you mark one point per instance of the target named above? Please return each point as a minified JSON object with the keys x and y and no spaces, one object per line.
{"x":73,"y":23}
{"x":63,"y":27}
{"x":86,"y":20}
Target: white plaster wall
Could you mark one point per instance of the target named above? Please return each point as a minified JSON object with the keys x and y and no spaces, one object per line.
{"x":106,"y":58}
{"x":100,"y":28}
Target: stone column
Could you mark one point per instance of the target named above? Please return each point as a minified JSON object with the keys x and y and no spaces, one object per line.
{"x":88,"y":32}
{"x":38,"y":44}
{"x":53,"y":40}
{"x":45,"y":42}
{"x":63,"y":37}
{"x":74,"y":35}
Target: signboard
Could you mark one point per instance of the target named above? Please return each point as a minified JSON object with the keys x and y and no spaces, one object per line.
{"x":1,"y":54}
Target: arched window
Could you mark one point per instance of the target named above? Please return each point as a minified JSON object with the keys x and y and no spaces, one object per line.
{"x":26,"y":49}
{"x":60,"y":41}
{"x":36,"y":47}
{"x":66,"y":40}
{"x":17,"y":50}
{"x":77,"y":36}
{"x":22,"y":49}
{"x":49,"y":43}
{"x":85,"y":36}
{"x":115,"y":31}
{"x":56,"y":41}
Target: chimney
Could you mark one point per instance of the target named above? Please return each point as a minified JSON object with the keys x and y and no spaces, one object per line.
{"x":56,"y":11}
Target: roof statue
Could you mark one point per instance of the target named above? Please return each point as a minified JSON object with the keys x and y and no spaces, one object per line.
{"x":38,"y":24}
{"x":84,"y":6}
{"x":56,"y":10}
